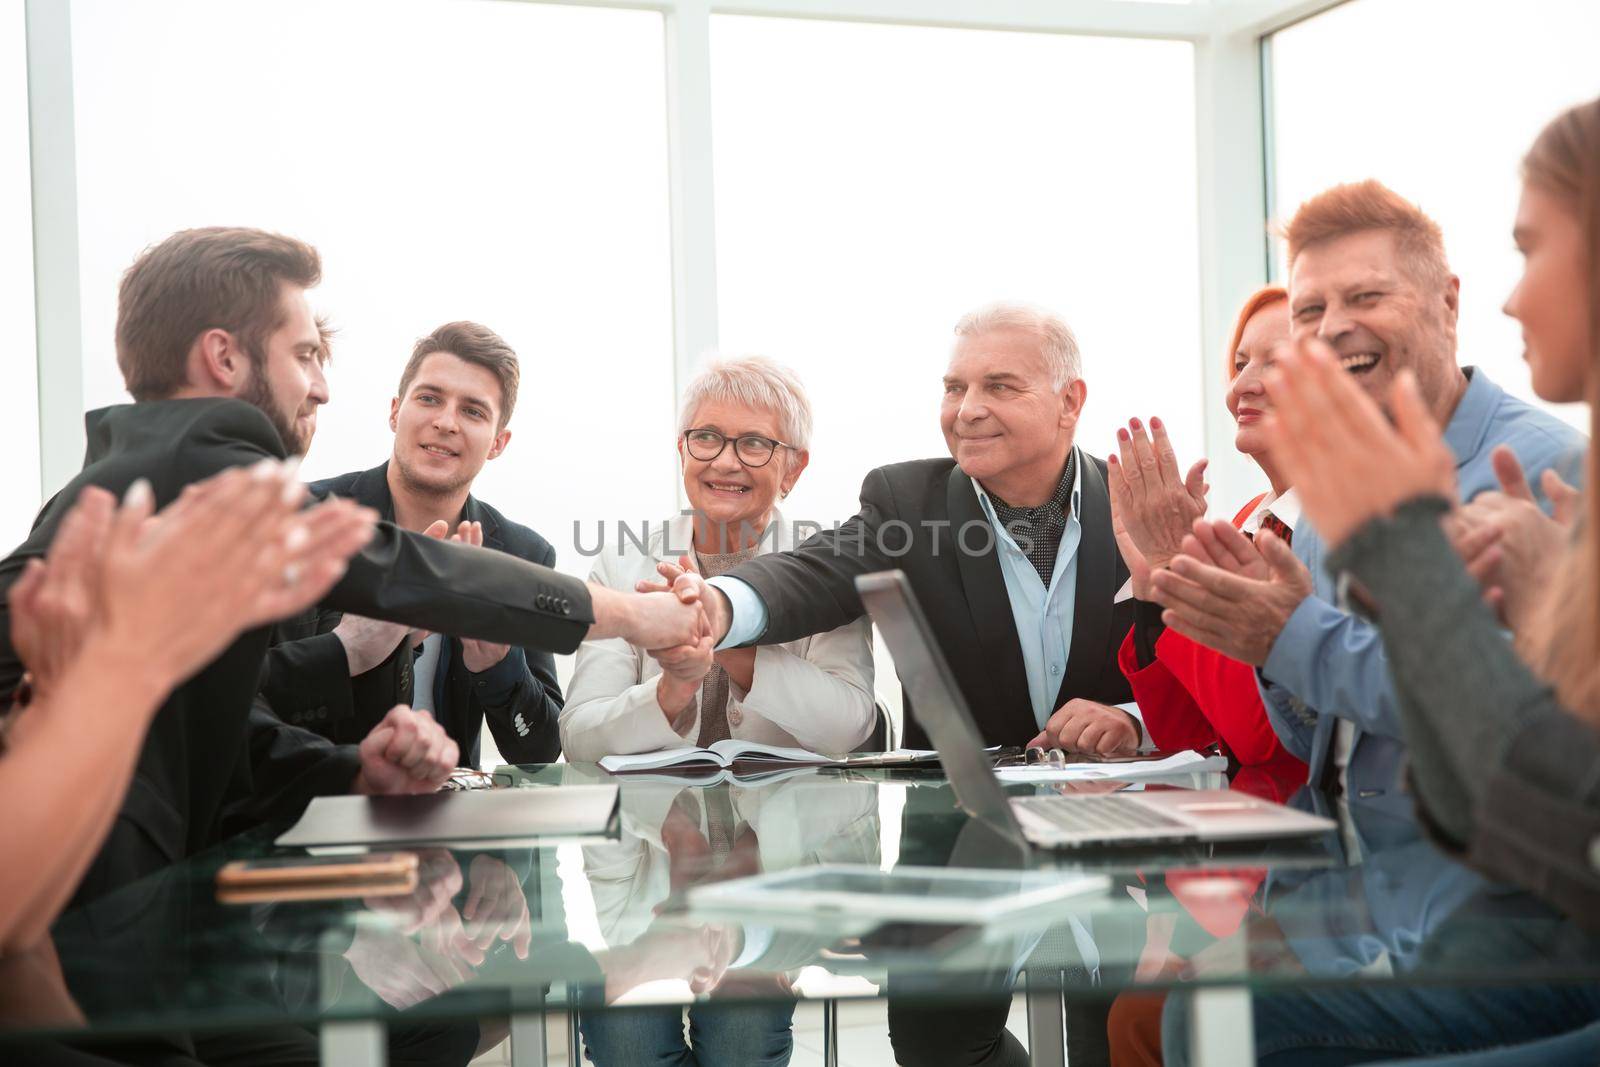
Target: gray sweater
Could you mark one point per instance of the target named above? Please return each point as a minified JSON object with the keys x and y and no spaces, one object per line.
{"x":1500,"y":769}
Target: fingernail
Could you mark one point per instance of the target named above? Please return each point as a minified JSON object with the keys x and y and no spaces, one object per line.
{"x":296,"y":538}
{"x":1155,"y":423}
{"x":139,"y":494}
{"x":291,"y":466}
{"x":1122,"y":435}
{"x":263,"y":469}
{"x":1136,"y":424}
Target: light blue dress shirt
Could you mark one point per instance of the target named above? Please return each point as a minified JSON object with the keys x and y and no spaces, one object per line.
{"x":1043,"y":616}
{"x":1327,"y":665}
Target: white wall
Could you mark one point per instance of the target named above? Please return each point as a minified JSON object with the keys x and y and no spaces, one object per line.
{"x":1439,"y":100}
{"x":501,"y":162}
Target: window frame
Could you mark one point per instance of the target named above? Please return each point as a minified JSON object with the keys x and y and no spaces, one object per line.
{"x":1231,"y":43}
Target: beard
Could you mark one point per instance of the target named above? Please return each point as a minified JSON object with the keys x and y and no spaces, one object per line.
{"x":424,"y":486}
{"x":258,"y":394}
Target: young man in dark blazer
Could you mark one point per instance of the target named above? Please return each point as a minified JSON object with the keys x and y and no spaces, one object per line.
{"x":338,"y":675}
{"x":219,"y":348}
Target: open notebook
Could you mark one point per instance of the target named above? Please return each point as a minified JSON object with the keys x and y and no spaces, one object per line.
{"x":724,"y":759}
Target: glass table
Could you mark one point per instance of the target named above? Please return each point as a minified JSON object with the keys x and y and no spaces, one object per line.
{"x":516,"y":934}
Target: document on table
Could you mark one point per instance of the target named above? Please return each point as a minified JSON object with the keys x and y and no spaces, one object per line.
{"x":1179,"y":763}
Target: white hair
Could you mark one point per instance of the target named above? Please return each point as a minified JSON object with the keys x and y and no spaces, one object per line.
{"x":1056,"y":343}
{"x":756,"y":382}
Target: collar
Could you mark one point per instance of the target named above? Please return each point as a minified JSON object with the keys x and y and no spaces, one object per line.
{"x":1285,"y":507}
{"x":371,"y":488}
{"x":1468,"y":428}
{"x":1076,"y":503}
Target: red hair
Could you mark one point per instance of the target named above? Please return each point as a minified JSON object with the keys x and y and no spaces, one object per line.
{"x":1371,"y":205}
{"x":1263,"y":297}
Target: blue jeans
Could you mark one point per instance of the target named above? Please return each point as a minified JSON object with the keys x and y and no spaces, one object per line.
{"x":1336,"y":1027}
{"x":1580,"y":1048}
{"x":755,"y":1034}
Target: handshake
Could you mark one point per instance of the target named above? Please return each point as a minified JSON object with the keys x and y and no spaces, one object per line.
{"x":679,"y":610}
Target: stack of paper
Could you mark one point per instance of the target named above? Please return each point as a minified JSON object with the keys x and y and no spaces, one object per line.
{"x":1182,"y":763}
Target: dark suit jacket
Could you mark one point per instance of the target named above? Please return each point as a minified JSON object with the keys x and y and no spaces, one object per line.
{"x":201,"y":743}
{"x":960,"y":586}
{"x":308,"y":682}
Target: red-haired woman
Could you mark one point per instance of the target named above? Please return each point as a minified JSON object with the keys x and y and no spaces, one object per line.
{"x":1190,"y":695}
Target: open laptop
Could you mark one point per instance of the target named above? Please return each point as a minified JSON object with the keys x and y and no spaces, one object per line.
{"x":1151,"y":817}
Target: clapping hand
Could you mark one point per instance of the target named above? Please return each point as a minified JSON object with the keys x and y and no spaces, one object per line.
{"x":368,"y":642}
{"x":1507,"y":541}
{"x":1345,"y":460}
{"x":166,"y":593}
{"x":1152,"y":504}
{"x":1231,"y":594}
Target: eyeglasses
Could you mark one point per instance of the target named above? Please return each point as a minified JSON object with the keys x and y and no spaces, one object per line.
{"x":752,"y":449}
{"x":471,"y":778}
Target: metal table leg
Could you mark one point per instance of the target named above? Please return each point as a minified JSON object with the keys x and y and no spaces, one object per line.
{"x":1047,"y":1018}
{"x":1222,"y":1031}
{"x":528,"y":1039}
{"x":354,"y":1044}
{"x":349,"y":1042}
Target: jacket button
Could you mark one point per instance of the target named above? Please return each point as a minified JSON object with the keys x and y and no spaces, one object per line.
{"x":539,"y":601}
{"x":566,"y":606}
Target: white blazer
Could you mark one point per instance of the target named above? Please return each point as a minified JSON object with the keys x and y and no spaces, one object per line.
{"x":815,"y":693}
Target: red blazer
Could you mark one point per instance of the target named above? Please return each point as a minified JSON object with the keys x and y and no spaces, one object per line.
{"x":1192,"y":697}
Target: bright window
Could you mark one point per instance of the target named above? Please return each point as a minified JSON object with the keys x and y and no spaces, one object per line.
{"x":875,"y":182}
{"x":1439,"y":100}
{"x":18,"y":361}
{"x":500,"y":162}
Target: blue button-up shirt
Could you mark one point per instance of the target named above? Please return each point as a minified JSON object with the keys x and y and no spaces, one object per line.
{"x":1327,"y":666}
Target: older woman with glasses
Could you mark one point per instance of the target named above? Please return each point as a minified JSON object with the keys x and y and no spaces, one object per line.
{"x":742,"y":444}
{"x":744,"y":431}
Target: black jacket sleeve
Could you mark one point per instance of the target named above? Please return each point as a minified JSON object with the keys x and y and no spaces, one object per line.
{"x":287,"y":767}
{"x":463,"y":591}
{"x":407,"y":577}
{"x":306,"y":673}
{"x":521,"y":700}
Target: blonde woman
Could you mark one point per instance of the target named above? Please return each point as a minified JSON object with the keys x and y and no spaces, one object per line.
{"x":743,"y":441}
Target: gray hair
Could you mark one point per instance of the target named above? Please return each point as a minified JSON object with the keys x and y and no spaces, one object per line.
{"x":1056,"y":343}
{"x":757,"y":382}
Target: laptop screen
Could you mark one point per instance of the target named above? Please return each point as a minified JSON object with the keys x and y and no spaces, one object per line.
{"x":936,"y":699}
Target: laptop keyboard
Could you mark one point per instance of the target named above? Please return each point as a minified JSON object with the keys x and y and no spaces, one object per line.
{"x":1098,"y":814}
